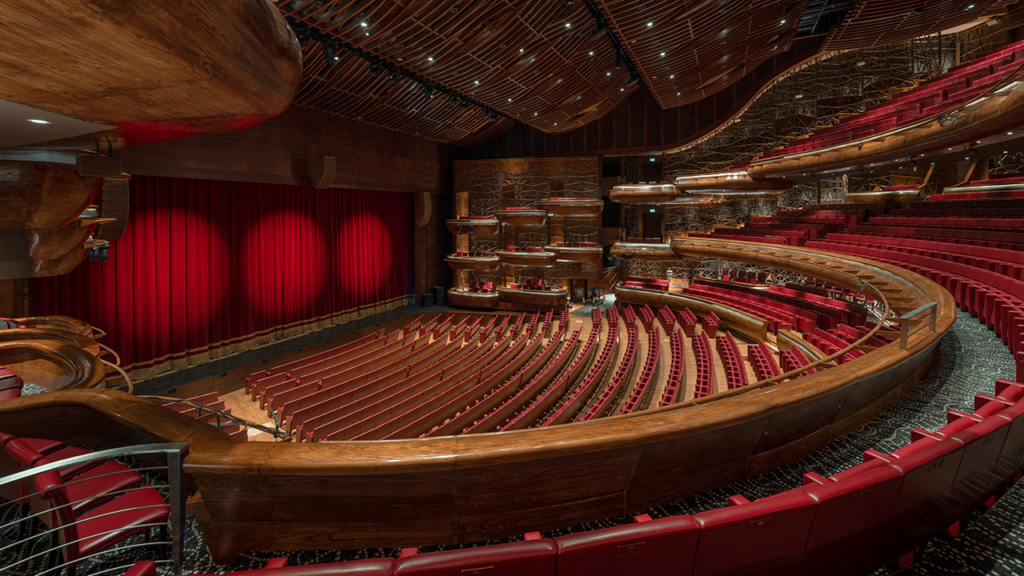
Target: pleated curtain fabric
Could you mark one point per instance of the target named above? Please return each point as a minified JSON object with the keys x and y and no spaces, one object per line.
{"x":210,"y":268}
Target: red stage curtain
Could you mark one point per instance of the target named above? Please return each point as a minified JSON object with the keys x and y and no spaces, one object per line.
{"x":212,"y":268}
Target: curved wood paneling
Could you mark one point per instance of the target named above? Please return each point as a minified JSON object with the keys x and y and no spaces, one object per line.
{"x":643,"y":193}
{"x":51,"y":363}
{"x":574,"y":254}
{"x":59,"y":323}
{"x":40,"y":334}
{"x":532,"y":259}
{"x":42,"y":194}
{"x":53,"y":243}
{"x":737,"y":180}
{"x":156,"y":70}
{"x":261,"y":496}
{"x":475,"y":264}
{"x":522,"y":217}
{"x":534,"y":297}
{"x":577,"y":208}
{"x":489,"y":226}
{"x":643,"y":251}
{"x":460,"y":299}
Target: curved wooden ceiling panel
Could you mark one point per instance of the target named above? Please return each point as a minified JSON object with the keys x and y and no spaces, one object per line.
{"x":535,"y":62}
{"x":687,"y":50}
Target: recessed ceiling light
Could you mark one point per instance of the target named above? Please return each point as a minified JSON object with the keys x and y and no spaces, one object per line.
{"x":520,"y":50}
{"x":1009,"y":133}
{"x":509,"y":99}
{"x":591,"y":52}
{"x":783,"y":21}
{"x":663,"y":54}
{"x":430,"y":58}
{"x":37,"y":121}
{"x":534,"y":113}
{"x":476,"y":81}
{"x":609,"y":73}
{"x":679,"y":93}
{"x":556,"y":123}
{"x":568,"y":24}
{"x":363,"y":24}
{"x":622,"y":89}
{"x":649,"y":24}
{"x":671,"y":76}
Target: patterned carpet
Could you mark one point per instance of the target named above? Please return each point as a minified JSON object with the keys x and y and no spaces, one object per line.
{"x":967,"y":361}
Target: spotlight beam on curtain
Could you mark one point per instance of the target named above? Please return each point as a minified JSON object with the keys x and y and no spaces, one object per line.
{"x":209,"y":268}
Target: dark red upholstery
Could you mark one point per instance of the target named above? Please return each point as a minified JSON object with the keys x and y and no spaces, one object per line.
{"x":530,"y":558}
{"x":846,"y":536}
{"x":768,"y":536}
{"x":654,"y":547}
{"x":101,"y":528}
{"x":917,"y":514}
{"x":374,"y":567}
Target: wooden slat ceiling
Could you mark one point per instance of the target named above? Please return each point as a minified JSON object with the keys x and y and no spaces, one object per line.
{"x":689,"y":49}
{"x":540,"y":63}
{"x":873,"y":22}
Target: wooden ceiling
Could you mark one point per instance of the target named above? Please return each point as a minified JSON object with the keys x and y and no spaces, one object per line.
{"x":551,"y":64}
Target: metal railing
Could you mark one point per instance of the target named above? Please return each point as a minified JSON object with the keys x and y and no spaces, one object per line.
{"x":917,"y":319}
{"x":30,"y":555}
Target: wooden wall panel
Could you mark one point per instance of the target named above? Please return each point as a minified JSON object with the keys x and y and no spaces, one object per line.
{"x":276,"y":152}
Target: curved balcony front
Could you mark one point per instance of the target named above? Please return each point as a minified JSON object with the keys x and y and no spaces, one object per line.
{"x":575,"y":207}
{"x":534,"y":297}
{"x":627,"y":250}
{"x":576,"y":253}
{"x":473,"y":225}
{"x":643,"y":193}
{"x":473,"y":263}
{"x":469,"y":299}
{"x":542,"y":259}
{"x":522,"y":217}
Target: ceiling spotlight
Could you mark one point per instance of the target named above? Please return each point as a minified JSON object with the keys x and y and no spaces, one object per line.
{"x":393,"y":77}
{"x":476,"y":81}
{"x":534,"y":113}
{"x":783,"y":21}
{"x":509,"y":99}
{"x":649,"y":24}
{"x":609,"y":74}
{"x":663,"y":54}
{"x":671,"y":76}
{"x":37,"y":121}
{"x":568,"y":24}
{"x":430,"y":58}
{"x":520,"y":50}
{"x":363,"y":24}
{"x":591,"y":52}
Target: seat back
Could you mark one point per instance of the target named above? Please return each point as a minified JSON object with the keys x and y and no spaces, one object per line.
{"x":666,"y":546}
{"x":54,"y":503}
{"x":527,"y":558}
{"x":766,"y":536}
{"x":19,"y":456}
{"x":850,"y":520}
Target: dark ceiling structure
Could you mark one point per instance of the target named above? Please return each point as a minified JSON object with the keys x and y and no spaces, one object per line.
{"x":450,"y":70}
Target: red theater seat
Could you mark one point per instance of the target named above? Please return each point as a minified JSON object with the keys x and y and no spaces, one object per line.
{"x":846,"y":536}
{"x":374,"y":567}
{"x":768,"y":536}
{"x":650,"y":547}
{"x":527,"y":558}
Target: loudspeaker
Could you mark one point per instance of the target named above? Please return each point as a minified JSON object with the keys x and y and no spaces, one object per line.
{"x":321,"y":170}
{"x":113,"y":202}
{"x":99,"y":167}
{"x":423,"y":209}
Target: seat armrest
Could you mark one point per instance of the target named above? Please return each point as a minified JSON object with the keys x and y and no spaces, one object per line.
{"x":813,"y":478}
{"x":145,"y":568}
{"x":738,"y":500}
{"x":277,"y":563}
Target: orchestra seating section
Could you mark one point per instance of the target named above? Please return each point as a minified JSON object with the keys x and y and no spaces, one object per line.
{"x":879,"y":511}
{"x":958,"y":86}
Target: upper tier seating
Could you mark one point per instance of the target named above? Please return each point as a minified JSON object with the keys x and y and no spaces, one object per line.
{"x":10,"y":384}
{"x":958,"y":86}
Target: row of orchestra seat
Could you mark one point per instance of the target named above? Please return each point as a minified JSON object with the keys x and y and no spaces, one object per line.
{"x":677,"y":373}
{"x":638,"y":398}
{"x":646,"y":283}
{"x":687,"y":320}
{"x":780,"y":316}
{"x":531,"y":414}
{"x":564,"y":410}
{"x":793,"y":359}
{"x":732,"y":361}
{"x":705,"y":365}
{"x":606,"y":400}
{"x":762,"y":360}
